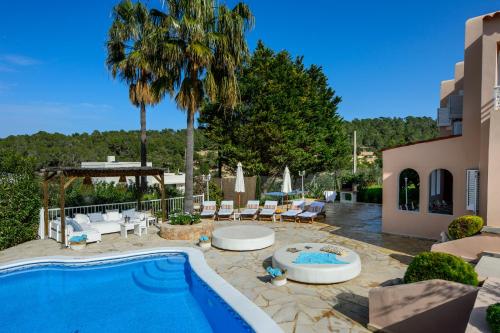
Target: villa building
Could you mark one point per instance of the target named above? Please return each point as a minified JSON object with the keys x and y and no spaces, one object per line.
{"x":427,"y":184}
{"x":174,"y":180}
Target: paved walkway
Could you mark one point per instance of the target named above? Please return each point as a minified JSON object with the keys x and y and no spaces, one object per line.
{"x":296,"y":307}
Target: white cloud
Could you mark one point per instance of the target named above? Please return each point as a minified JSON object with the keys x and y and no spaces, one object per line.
{"x":19,"y":60}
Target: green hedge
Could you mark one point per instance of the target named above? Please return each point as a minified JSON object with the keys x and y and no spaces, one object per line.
{"x":436,"y":265}
{"x":493,"y":317}
{"x":465,"y":226}
{"x":19,"y":201}
{"x":372,"y":194}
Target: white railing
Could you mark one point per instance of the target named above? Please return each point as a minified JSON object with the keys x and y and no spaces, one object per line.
{"x":496,"y":97}
{"x":173,"y":204}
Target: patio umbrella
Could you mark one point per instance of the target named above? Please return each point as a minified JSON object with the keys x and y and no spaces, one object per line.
{"x":287,"y":184}
{"x":239,"y":187}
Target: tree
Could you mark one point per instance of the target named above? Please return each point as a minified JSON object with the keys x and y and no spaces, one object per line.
{"x":287,"y":116}
{"x":200,"y":48}
{"x":129,"y":58}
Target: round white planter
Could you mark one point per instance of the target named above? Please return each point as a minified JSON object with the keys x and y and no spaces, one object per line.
{"x":278,"y":282}
{"x":205,"y":245}
{"x":78,"y":246}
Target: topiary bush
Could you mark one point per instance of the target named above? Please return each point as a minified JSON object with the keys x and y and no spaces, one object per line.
{"x":493,"y":317}
{"x":436,"y":265}
{"x":465,"y":226}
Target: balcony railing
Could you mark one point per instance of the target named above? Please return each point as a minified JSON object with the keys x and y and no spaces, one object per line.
{"x":496,"y":97}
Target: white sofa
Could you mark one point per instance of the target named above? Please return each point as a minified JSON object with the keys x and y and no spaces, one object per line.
{"x":95,"y":224}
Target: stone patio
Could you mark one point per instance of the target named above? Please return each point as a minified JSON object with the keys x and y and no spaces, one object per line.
{"x":296,"y":307}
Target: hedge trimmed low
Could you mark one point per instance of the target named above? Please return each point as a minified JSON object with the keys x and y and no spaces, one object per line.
{"x":465,"y":226}
{"x":493,"y":317}
{"x":437,"y":265}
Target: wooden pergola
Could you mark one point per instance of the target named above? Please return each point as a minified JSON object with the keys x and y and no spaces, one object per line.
{"x":67,"y":175}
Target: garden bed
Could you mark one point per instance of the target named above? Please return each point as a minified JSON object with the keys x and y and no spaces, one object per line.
{"x":186,"y":232}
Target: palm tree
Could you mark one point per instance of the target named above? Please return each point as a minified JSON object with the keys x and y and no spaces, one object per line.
{"x":129,"y":58}
{"x":201,"y":47}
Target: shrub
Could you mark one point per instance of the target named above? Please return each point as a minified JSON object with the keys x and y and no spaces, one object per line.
{"x":370,"y":194}
{"x":178,"y":218}
{"x":19,"y":201}
{"x":436,"y":265}
{"x":493,"y":317}
{"x":465,"y":226}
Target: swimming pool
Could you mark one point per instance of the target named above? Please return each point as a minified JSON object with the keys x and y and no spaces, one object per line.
{"x":161,"y":290}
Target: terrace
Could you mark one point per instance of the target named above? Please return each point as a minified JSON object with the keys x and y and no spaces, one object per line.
{"x":295,"y":307}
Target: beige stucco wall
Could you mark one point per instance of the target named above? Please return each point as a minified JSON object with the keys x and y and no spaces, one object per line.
{"x":424,"y":158}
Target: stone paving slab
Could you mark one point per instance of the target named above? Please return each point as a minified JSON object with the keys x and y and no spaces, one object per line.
{"x":296,"y":307}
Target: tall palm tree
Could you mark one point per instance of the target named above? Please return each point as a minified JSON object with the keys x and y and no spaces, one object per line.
{"x":201,"y":45}
{"x":129,"y":58}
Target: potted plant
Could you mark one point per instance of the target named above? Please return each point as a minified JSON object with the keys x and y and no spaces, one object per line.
{"x":204,"y":242}
{"x":278,"y":276}
{"x":78,"y":242}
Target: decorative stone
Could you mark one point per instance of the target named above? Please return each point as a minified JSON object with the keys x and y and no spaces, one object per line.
{"x":186,"y":232}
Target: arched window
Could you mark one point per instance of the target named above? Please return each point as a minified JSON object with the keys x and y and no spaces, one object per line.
{"x":441,"y":192}
{"x":409,"y":190}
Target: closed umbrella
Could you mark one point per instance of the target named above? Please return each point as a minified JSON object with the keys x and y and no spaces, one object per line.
{"x":287,"y":183}
{"x":239,"y":187}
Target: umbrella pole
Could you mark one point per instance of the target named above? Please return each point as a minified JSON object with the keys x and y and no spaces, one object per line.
{"x":239,"y":201}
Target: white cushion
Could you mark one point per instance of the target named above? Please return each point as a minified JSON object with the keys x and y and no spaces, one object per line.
{"x":107,"y":227}
{"x":96,"y":217}
{"x":291,"y":212}
{"x":81,"y":219}
{"x":113,"y":216}
{"x":267,"y":211}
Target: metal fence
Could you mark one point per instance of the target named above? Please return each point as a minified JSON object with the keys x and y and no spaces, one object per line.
{"x":173,"y":204}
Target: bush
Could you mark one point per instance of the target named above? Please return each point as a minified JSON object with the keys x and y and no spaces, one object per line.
{"x":465,"y":226}
{"x":19,"y":201}
{"x":436,"y":265}
{"x":493,"y":317}
{"x":370,"y":194}
{"x":178,"y":218}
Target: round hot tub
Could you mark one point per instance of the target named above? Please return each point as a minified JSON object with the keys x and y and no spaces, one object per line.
{"x":340,"y":268}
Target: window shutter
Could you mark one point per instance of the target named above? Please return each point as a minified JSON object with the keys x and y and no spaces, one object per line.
{"x":472,"y":191}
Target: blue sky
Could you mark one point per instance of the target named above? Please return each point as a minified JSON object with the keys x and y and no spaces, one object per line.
{"x":385,"y":58}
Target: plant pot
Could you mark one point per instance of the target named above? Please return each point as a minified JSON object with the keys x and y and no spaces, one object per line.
{"x":205,"y":245}
{"x":278,"y":281}
{"x":77,"y":246}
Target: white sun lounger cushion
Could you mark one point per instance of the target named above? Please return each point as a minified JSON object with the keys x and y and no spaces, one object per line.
{"x":292,"y":212}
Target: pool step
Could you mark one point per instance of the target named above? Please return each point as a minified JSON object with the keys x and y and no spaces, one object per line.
{"x":153,"y":272}
{"x":164,"y":277}
{"x":170,"y":264}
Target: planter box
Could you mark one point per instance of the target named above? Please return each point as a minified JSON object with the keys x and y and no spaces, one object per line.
{"x":186,"y":232}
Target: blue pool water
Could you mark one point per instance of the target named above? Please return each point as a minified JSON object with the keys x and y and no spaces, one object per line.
{"x":158,"y":293}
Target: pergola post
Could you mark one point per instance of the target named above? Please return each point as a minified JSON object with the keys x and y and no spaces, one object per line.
{"x":139,"y":192}
{"x":45,"y":206}
{"x":61,"y":207}
{"x":163,"y":201}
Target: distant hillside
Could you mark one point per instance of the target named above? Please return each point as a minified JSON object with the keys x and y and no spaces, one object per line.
{"x":380,"y":133}
{"x":166,"y":147}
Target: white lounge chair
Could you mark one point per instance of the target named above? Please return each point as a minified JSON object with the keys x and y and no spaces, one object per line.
{"x":209,"y":209}
{"x":250,"y":210}
{"x":296,"y":208}
{"x":269,"y":210}
{"x":226,"y":210}
{"x":314,"y":211}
